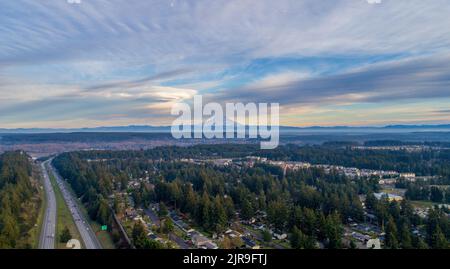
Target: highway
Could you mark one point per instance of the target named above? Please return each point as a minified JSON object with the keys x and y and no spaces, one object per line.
{"x":85,"y":230}
{"x":47,"y":239}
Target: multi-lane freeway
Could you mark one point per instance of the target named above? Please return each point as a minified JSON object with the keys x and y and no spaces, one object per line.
{"x":87,"y":234}
{"x":47,"y":239}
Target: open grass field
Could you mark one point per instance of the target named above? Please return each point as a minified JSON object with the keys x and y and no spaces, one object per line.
{"x":423,"y":204}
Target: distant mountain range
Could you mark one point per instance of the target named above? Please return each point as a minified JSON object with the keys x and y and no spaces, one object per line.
{"x":285,"y":129}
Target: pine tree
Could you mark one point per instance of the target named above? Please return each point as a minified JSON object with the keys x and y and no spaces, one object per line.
{"x":206,"y":210}
{"x":391,"y":234}
{"x":162,"y":210}
{"x":371,"y":201}
{"x":138,"y":235}
{"x":103,"y":212}
{"x":419,"y":243}
{"x":333,"y":230}
{"x":296,"y":238}
{"x":438,"y":239}
{"x":278,"y":214}
{"x":65,"y":235}
{"x":267,"y":237}
{"x":167,"y":226}
{"x":10,"y":230}
{"x":191,"y":200}
{"x":405,"y":235}
{"x":299,"y":240}
{"x":118,"y":209}
{"x":219,"y":214}
{"x":247,"y":210}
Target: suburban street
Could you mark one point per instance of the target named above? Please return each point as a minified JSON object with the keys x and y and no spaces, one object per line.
{"x":87,"y":234}
{"x":153,"y":217}
{"x":172,"y":236}
{"x":47,"y":239}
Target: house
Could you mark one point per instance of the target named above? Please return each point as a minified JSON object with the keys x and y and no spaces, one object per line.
{"x":360,"y":237}
{"x":140,"y":219}
{"x":370,"y":218}
{"x":179,"y":222}
{"x":198,"y":239}
{"x":130,"y":212}
{"x":154,"y":237}
{"x":390,"y":197}
{"x":280,"y":236}
{"x":209,"y":245}
{"x":222,"y":162}
{"x":250,"y":221}
{"x":387,"y":181}
{"x":203,"y":242}
{"x":233,"y":233}
{"x":261,"y":227}
{"x":408,"y":176}
{"x":248,"y":243}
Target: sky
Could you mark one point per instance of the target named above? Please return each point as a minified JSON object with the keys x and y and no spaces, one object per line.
{"x":127,"y":62}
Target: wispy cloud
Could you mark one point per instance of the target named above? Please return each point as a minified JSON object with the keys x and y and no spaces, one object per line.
{"x":138,"y":82}
{"x":443,"y":111}
{"x":225,"y":31}
{"x":401,"y":80}
{"x":105,"y":59}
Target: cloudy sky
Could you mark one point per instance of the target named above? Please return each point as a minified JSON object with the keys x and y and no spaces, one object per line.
{"x":122,"y":62}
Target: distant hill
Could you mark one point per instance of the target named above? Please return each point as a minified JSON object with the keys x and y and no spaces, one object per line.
{"x":439,"y":126}
{"x":287,"y":129}
{"x":105,"y":129}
